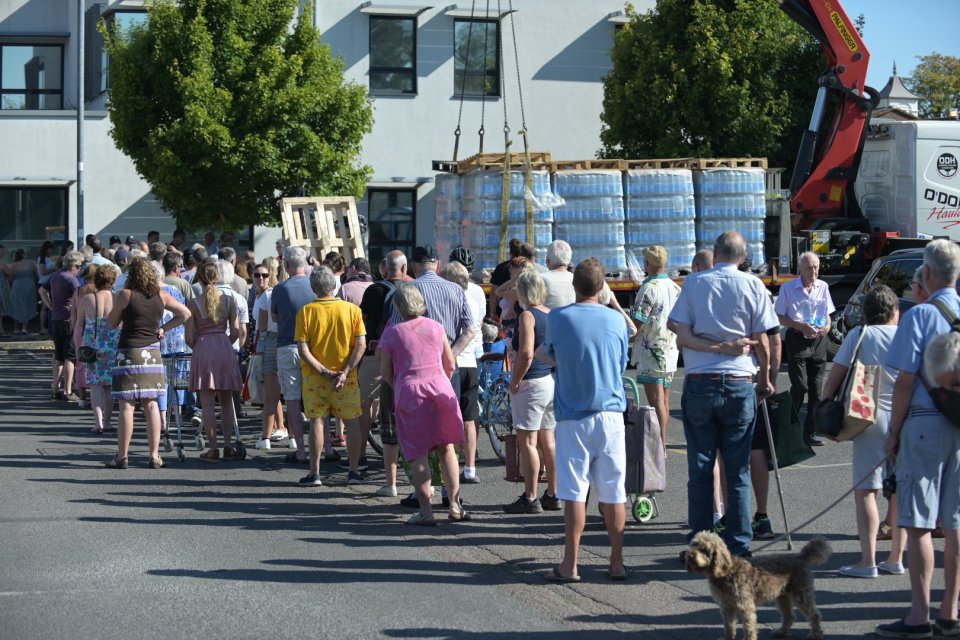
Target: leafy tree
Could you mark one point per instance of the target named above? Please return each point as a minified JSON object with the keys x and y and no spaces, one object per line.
{"x":710,"y":78}
{"x":224,"y":109}
{"x":937,"y":81}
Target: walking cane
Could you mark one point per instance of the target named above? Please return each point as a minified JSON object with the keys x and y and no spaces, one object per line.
{"x":776,"y":471}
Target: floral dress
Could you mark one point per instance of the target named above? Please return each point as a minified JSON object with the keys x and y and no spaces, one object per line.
{"x":655,"y":351}
{"x":98,"y":334}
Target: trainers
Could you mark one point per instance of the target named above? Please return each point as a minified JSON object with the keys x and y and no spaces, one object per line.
{"x":361,"y":465}
{"x":387,"y":491}
{"x":278,"y":435}
{"x":858,"y":572}
{"x":523,"y":505}
{"x":762,"y":530}
{"x":901,"y":629}
{"x":471,"y":480}
{"x":311,"y":480}
{"x":894,"y":569}
{"x":550,"y":503}
{"x":196,"y":420}
{"x":356,"y":477}
{"x":412,"y":502}
{"x":947,"y":627}
{"x":263,"y":443}
{"x":291,"y":444}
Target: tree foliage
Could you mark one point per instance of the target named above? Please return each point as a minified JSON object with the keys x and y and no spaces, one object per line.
{"x":936,"y":80}
{"x":710,"y":78}
{"x":224,"y":108}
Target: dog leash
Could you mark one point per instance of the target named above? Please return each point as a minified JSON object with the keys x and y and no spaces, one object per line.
{"x":786,"y":536}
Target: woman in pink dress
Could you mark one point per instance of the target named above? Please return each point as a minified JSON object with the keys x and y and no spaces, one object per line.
{"x":214,"y":371}
{"x":416,"y":360}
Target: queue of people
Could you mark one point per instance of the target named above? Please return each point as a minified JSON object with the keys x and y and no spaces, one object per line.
{"x":334,"y":342}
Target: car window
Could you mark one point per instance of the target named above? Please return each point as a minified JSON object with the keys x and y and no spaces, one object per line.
{"x":897,"y":275}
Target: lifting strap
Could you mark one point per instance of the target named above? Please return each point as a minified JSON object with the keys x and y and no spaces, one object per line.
{"x":527,"y":162}
{"x":463,"y":82}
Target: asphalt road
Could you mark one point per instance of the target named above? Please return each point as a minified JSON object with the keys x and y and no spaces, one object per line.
{"x":239,"y":550}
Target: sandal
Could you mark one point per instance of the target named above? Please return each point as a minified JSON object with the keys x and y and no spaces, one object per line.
{"x":459,"y":515}
{"x":116,"y":463}
{"x":156,"y":463}
{"x":422,"y":520}
{"x":213,"y":455}
{"x":96,"y":430}
{"x":554,"y":575}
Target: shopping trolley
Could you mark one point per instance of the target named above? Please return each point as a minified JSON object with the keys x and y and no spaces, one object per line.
{"x":646,"y":468}
{"x":177,"y":368}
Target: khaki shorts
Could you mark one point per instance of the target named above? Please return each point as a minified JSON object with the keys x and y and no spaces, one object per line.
{"x":288,"y":372}
{"x":322,"y":399}
{"x":532,"y":405}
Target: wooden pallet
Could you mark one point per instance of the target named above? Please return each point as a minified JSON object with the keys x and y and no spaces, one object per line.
{"x":493,"y":161}
{"x":322,"y":225}
{"x":659,"y":163}
{"x":588,"y":165}
{"x":697,"y":163}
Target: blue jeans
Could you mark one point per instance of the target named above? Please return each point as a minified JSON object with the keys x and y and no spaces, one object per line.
{"x":719,"y":415}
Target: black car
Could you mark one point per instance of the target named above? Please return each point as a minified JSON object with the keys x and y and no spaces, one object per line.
{"x":896,"y":271}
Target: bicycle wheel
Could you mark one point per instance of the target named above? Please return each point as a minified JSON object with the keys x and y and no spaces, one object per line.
{"x":373,"y":439}
{"x":499,"y":419}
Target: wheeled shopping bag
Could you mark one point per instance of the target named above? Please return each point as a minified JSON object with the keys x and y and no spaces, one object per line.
{"x":646,"y":468}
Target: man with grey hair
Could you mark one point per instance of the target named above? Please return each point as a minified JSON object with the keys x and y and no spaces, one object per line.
{"x":236,"y":283}
{"x":702,"y":260}
{"x":559,"y":278}
{"x":719,"y":398}
{"x":927,"y":449}
{"x":331,"y":340}
{"x":287,"y":299}
{"x":376,"y":310}
{"x":804,"y":306}
{"x":57,"y":293}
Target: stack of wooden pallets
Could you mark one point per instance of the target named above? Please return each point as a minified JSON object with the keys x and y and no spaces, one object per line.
{"x":322,"y":225}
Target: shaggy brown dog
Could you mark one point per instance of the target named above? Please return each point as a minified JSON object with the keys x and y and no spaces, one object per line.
{"x":738,"y":585}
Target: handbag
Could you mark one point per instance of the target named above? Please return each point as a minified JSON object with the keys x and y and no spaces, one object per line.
{"x":788,"y":440}
{"x":86,"y":353}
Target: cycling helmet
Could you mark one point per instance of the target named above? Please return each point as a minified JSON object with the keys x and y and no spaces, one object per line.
{"x":464,"y":256}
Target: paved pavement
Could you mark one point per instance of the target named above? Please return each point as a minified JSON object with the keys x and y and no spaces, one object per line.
{"x":239,"y":550}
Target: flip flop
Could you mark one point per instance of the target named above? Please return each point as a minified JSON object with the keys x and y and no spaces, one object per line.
{"x":617,"y":577}
{"x":555,"y":576}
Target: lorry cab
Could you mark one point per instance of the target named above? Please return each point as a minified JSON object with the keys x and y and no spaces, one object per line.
{"x":908,"y":180}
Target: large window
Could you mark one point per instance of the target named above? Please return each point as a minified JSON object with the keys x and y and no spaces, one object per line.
{"x":124,"y":21}
{"x":391,"y":215}
{"x":28,"y":216}
{"x":393,"y":55}
{"x":31,"y":76}
{"x":476,"y":55}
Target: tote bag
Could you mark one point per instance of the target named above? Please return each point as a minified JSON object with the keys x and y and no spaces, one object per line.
{"x":860,"y":399}
{"x":788,"y":439}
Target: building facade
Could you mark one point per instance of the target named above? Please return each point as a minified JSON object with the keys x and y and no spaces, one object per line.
{"x":416,"y":60}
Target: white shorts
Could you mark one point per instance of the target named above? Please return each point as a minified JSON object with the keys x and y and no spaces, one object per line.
{"x":288,"y":372}
{"x":592,"y":451}
{"x":532,"y":406}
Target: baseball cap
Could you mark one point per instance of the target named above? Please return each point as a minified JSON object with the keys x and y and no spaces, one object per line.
{"x":656,"y":255}
{"x":121,"y":254}
{"x":426,"y":253}
{"x":130,"y":240}
{"x":114,"y":240}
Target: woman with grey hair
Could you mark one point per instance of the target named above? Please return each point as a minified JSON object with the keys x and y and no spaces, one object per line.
{"x":881,"y":310}
{"x":417,"y":362}
{"x":531,"y":399}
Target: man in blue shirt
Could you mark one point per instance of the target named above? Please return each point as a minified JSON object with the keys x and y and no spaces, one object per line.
{"x":287,"y":299}
{"x":719,"y":401}
{"x":927,"y":449}
{"x":587,"y":342}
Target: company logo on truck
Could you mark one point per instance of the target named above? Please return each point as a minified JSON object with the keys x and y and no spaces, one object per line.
{"x":947,"y":217}
{"x":843,"y":30}
{"x":947,"y":165}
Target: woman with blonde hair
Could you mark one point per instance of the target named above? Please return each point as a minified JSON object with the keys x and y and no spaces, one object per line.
{"x":138,"y":373}
{"x":264,"y":280}
{"x":214,"y":371}
{"x":92,"y":313}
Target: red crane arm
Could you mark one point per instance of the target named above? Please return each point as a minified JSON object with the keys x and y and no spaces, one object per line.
{"x":824,"y":171}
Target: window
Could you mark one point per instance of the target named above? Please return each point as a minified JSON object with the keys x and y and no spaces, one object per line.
{"x":476,"y":56}
{"x":391,"y":216}
{"x":896,"y":274}
{"x":31,"y":76}
{"x":125,"y":21}
{"x":28,"y":216}
{"x":393,"y":55}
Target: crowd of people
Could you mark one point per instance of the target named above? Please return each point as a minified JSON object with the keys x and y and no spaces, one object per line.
{"x":400,"y":347}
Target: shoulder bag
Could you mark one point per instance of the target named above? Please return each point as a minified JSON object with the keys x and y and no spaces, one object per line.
{"x":86,"y":353}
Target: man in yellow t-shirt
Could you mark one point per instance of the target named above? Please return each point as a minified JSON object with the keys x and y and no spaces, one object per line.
{"x":331,"y":340}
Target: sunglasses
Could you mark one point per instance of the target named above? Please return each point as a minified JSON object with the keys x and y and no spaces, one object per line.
{"x":261,"y":275}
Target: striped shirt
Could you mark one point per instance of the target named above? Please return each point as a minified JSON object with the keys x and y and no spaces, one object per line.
{"x":446,"y":303}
